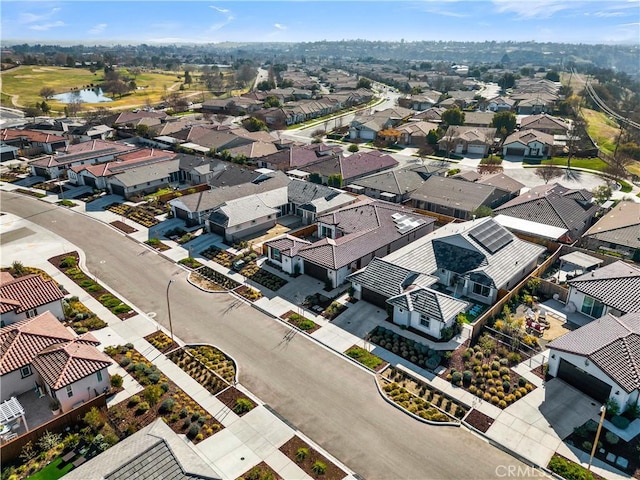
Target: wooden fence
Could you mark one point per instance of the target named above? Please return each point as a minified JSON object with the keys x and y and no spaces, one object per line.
{"x":10,"y":451}
{"x":187,"y":191}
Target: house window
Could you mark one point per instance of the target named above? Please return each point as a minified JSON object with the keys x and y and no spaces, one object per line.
{"x":275,"y":254}
{"x":32,"y":313}
{"x":99,"y":375}
{"x":26,"y":371}
{"x":592,"y":307}
{"x":425,"y":321}
{"x":69,"y":391}
{"x":481,"y":290}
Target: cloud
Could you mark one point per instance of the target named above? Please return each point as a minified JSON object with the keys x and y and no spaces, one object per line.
{"x":218,"y":9}
{"x":531,"y":8}
{"x":279,"y":26}
{"x":99,"y":28}
{"x":229,"y":17}
{"x":26,"y":18}
{"x":42,"y":27}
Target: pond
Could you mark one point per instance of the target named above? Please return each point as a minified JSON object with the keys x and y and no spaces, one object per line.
{"x":90,"y":95}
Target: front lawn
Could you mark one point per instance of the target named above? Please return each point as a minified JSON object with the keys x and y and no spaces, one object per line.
{"x":588,"y":163}
{"x":53,"y":471}
{"x":366,"y":358}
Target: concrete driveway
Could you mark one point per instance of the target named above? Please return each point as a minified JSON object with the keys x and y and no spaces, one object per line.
{"x":360,"y":318}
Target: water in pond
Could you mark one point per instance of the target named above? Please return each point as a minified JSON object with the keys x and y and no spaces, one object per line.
{"x":90,"y":95}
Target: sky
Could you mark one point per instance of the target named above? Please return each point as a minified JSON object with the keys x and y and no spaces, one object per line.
{"x":177,"y":21}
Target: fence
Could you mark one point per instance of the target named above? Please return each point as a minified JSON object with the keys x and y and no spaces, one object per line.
{"x":170,"y":196}
{"x":548,"y":289}
{"x":11,"y":450}
{"x":305,"y":231}
{"x":440,"y":218}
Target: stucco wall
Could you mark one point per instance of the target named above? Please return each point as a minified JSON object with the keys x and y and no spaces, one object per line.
{"x":83,"y":390}
{"x":13,"y":384}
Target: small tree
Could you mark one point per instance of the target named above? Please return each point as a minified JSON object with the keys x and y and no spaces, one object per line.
{"x":17,"y":267}
{"x":364,"y":82}
{"x":353,"y":148}
{"x":47,"y":92}
{"x":453,"y":116}
{"x":548,"y":172}
{"x":602,"y":193}
{"x":482,"y":211}
{"x":315,"y":178}
{"x":506,"y":120}
{"x":95,"y":419}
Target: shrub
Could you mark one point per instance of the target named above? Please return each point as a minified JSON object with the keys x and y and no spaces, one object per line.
{"x":504,"y":371}
{"x":142,"y":407}
{"x":116,"y":381}
{"x":486,"y":396}
{"x":302,"y":453}
{"x":502,"y":404}
{"x":125,"y":361}
{"x":134,"y":400}
{"x":620,"y":422}
{"x":167,"y":405}
{"x":194,"y":430}
{"x":456,"y":378}
{"x":611,"y":438}
{"x":495,"y":399}
{"x":495,"y":365}
{"x":242,"y":405}
{"x":514,"y":358}
{"x":466,"y":355}
{"x":319,"y":468}
{"x":68,"y":262}
{"x":183,"y":413}
{"x":122,"y":308}
{"x":152,"y":394}
{"x":479,"y":355}
{"x":568,"y":470}
{"x":467,"y":375}
{"x":353,"y":148}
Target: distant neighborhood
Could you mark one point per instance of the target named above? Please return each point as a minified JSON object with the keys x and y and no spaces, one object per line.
{"x":467,"y":243}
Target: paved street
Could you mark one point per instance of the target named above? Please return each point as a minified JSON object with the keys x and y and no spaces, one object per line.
{"x":329,"y":399}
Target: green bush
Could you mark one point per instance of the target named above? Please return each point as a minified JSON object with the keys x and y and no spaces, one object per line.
{"x":306,"y":324}
{"x":152,"y":394}
{"x":319,"y":468}
{"x":302,"y":453}
{"x":116,"y":381}
{"x":456,"y":378}
{"x":569,"y":470}
{"x":467,"y":375}
{"x":194,"y":430}
{"x":86,"y":283}
{"x":620,"y":422}
{"x":134,"y":400}
{"x":142,"y":407}
{"x":242,"y":405}
{"x":122,"y":308}
{"x":68,"y":262}
{"x":167,"y":405}
{"x":611,"y":438}
{"x":184,"y":412}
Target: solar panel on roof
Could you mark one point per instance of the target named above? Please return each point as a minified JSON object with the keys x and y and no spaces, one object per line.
{"x":491,"y":236}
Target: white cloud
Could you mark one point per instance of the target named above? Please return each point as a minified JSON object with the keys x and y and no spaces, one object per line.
{"x":279,"y":26}
{"x":531,"y":8}
{"x":221,"y":10}
{"x":99,"y":28}
{"x":32,"y":17}
{"x":42,"y":27}
{"x":609,"y":14}
{"x":229,"y":17}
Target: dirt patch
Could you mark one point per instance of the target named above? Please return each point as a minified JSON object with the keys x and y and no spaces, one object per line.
{"x":293,"y":446}
{"x":261,"y":471}
{"x":479,"y":420}
{"x":123,"y":227}
{"x":231,"y":397}
{"x":303,"y":323}
{"x":205,"y":283}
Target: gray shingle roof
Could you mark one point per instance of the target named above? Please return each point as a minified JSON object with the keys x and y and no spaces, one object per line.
{"x":454,"y":193}
{"x":399,"y":181}
{"x":612,"y":344}
{"x":383,"y":277}
{"x":301,"y":192}
{"x":503,"y":182}
{"x":147,"y":173}
{"x":153,"y":453}
{"x":616,"y":285}
{"x":434,"y":304}
{"x":621,"y":226}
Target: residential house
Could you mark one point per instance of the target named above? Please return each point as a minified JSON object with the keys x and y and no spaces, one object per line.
{"x":351,"y":167}
{"x":366,"y":126}
{"x":310,"y":200}
{"x":153,"y":452}
{"x":503,"y":182}
{"x":461,"y":98}
{"x":533,"y":103}
{"x":86,"y":153}
{"x":545,"y":123}
{"x":478,"y":119}
{"x":349,"y":239}
{"x":295,"y":157}
{"x":554,"y":205}
{"x":421,"y":101}
{"x":601,"y":359}
{"x":133,"y":119}
{"x":88,"y":132}
{"x":394,"y":185}
{"x":41,"y":353}
{"x":456,"y":198}
{"x":477,"y":259}
{"x":500,"y":104}
{"x":614,"y":288}
{"x":617,"y":231}
{"x":197,"y":207}
{"x":232,"y":106}
{"x":528,"y":143}
{"x":28,"y":296}
{"x":415,"y":133}
{"x":144,"y":179}
{"x":33,"y":142}
{"x":470,"y":140}
{"x":433,"y":114}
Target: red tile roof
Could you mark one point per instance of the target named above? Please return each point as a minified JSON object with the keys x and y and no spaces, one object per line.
{"x":9,"y":134}
{"x":63,"y":364}
{"x":22,"y":341}
{"x":24,"y":293}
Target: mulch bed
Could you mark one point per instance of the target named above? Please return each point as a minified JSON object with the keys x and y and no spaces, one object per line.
{"x":479,"y":420}
{"x":248,"y":293}
{"x":123,"y":227}
{"x":594,"y":475}
{"x":162,"y":337}
{"x":539,"y":372}
{"x":260,"y":471}
{"x":229,"y":397}
{"x":287,"y":316}
{"x":160,"y":247}
{"x":291,"y":447}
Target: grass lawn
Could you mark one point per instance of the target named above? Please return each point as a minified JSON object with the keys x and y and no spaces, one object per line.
{"x":634,"y":168}
{"x":590,"y":163}
{"x":51,"y":471}
{"x":602,"y":129}
{"x":364,"y":357}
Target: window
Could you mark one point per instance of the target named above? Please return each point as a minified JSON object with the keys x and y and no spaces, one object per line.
{"x":275,"y":254}
{"x":425,"y":321}
{"x":99,"y":375}
{"x":592,"y":307}
{"x":32,"y":313}
{"x":26,"y":371}
{"x":481,"y":290}
{"x":69,"y":391}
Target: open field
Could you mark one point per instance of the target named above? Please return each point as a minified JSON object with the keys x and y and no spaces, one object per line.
{"x":601,"y":129}
{"x":26,"y":82}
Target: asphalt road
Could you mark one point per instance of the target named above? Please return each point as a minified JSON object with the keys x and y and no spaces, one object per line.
{"x":329,"y":399}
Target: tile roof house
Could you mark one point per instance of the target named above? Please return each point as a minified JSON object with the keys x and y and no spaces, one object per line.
{"x":349,"y":239}
{"x":351,"y":167}
{"x":528,"y":143}
{"x":618,"y":231}
{"x":456,"y":198}
{"x":309,"y":200}
{"x":478,"y":119}
{"x":475,"y":259}
{"x":154,"y":452}
{"x":614,"y":288}
{"x":296,"y":157}
{"x":415,"y":133}
{"x":545,"y":123}
{"x":500,"y":104}
{"x":367,"y":126}
{"x":554,"y":205}
{"x":41,"y":352}
{"x":463,"y":139}
{"x":602,"y":359}
{"x":32,"y":140}
{"x":27,"y":296}
{"x":394,"y":185}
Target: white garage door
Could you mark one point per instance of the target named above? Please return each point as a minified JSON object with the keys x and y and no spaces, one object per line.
{"x":476,"y":149}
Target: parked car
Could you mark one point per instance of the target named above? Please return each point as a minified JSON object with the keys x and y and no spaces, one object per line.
{"x":238,"y":265}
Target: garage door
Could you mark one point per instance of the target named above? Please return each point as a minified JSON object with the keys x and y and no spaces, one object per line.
{"x":515,"y":151}
{"x":374,"y":298}
{"x":583,"y":381}
{"x":476,"y":149}
{"x":117,"y":190}
{"x":315,"y":271}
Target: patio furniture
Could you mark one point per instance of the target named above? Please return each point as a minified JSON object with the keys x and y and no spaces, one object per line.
{"x":68,"y":456}
{"x":79,"y":461}
{"x":9,"y":436}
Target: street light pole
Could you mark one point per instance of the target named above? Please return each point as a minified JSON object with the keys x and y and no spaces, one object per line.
{"x":169,"y":308}
{"x":603,"y":410}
